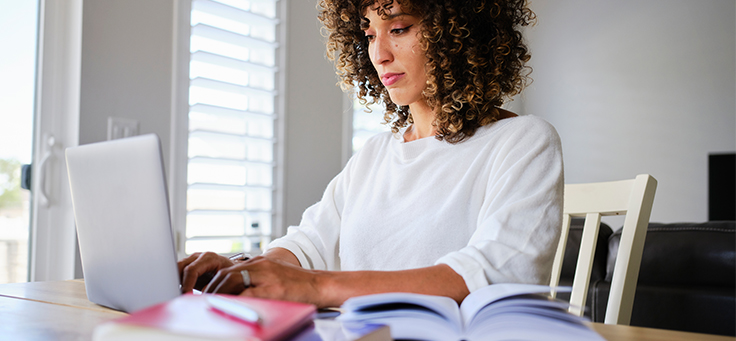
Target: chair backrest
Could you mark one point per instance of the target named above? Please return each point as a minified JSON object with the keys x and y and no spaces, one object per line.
{"x":633,"y":198}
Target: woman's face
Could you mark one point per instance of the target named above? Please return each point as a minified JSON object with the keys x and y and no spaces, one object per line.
{"x":394,"y":50}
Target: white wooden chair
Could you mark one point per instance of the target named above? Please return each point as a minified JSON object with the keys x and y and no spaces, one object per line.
{"x":633,"y":198}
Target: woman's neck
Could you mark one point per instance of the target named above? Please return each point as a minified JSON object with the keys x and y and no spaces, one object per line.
{"x":423,"y":125}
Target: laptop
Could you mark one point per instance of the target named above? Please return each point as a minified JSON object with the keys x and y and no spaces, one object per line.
{"x":121,"y":208}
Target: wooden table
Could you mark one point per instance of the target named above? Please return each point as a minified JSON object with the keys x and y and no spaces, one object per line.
{"x":616,"y":332}
{"x":59,"y":310}
{"x":56,"y":310}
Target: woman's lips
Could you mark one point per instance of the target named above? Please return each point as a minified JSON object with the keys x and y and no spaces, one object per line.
{"x":391,"y":78}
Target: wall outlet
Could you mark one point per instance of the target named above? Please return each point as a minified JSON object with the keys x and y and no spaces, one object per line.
{"x":118,"y":127}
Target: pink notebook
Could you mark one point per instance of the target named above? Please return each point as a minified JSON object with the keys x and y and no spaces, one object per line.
{"x":191,"y":317}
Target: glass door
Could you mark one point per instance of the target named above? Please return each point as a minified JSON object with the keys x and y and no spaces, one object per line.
{"x":18,"y":43}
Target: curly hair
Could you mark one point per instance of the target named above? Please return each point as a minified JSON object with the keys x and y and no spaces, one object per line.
{"x":476,"y":58}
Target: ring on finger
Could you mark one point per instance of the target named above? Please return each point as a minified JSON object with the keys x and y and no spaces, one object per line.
{"x":246,"y":277}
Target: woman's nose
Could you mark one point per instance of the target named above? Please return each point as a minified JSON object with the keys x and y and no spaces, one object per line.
{"x":380,"y":51}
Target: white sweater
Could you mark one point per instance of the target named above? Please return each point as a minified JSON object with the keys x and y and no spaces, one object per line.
{"x":489,"y":207}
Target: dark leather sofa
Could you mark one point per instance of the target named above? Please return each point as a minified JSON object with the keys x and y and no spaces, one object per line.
{"x":687,"y":279}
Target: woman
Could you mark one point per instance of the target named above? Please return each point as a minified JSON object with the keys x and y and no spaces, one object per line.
{"x":460,"y":195}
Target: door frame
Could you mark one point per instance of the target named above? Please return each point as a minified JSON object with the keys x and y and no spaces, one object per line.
{"x":53,"y":243}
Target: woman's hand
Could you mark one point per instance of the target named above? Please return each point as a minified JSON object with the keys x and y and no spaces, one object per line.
{"x":198,"y":269}
{"x":269,"y":278}
{"x":277,"y":275}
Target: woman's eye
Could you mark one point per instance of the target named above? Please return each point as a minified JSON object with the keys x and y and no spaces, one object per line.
{"x":400,"y":30}
{"x":370,"y":37}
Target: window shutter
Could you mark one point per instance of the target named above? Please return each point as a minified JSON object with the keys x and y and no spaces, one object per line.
{"x":231,"y":165}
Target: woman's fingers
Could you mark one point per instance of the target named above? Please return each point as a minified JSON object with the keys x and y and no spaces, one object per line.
{"x":268,"y":279}
{"x":231,"y":279}
{"x":231,"y":284}
{"x":212,"y":285}
{"x":186,"y":261}
{"x":274,"y":279}
{"x":195,"y":269}
{"x":227,"y":281}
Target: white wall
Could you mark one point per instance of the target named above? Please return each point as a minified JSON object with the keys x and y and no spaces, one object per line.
{"x":127,"y":61}
{"x":638,"y":87}
{"x":313,"y":113}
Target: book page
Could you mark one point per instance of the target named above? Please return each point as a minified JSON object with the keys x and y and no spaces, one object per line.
{"x":555,"y":311}
{"x":524,"y":326}
{"x":480,"y":298}
{"x":440,"y":305}
{"x":418,"y":328}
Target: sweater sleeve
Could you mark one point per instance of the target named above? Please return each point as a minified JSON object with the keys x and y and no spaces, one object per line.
{"x":315,"y":240}
{"x":520,"y":219}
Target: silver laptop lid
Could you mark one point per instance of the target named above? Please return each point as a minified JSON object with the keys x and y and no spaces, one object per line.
{"x":120,"y":203}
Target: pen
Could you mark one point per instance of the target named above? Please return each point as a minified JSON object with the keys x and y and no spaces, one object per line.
{"x":234,"y":308}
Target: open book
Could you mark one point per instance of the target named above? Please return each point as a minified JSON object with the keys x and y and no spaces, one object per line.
{"x":496,"y":312}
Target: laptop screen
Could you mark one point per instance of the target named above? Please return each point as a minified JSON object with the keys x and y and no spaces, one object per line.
{"x":121,"y":209}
